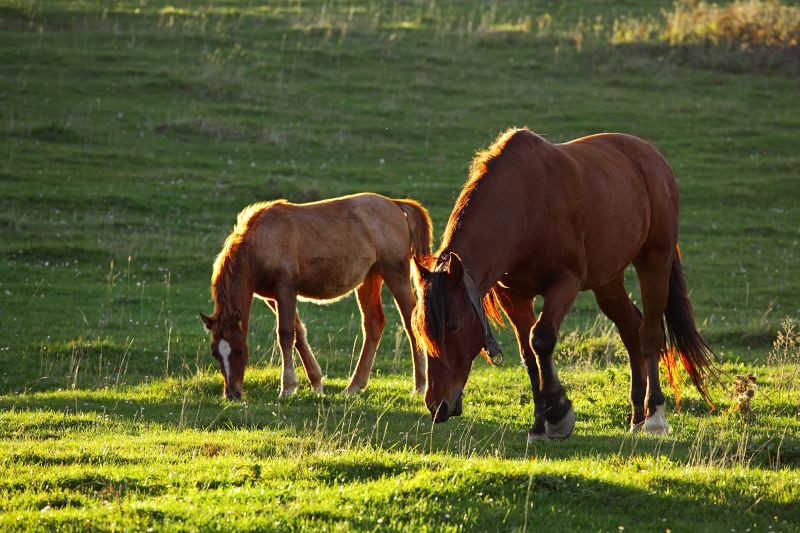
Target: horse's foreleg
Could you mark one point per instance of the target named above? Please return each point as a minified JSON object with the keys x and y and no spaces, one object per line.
{"x":287,"y":317}
{"x":373,"y":321}
{"x":400,"y":287}
{"x":313,"y":371}
{"x":558,"y":413}
{"x":614,"y":301}
{"x":519,"y":310}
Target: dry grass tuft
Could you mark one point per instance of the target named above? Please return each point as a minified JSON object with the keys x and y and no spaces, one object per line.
{"x":785,"y":355}
{"x":741,"y":24}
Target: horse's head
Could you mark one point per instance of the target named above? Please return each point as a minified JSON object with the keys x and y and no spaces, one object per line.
{"x":229,"y":347}
{"x":450,"y":324}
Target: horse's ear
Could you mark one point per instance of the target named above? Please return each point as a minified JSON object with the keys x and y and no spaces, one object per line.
{"x":237,"y":318}
{"x":208,"y":322}
{"x":422,"y":270}
{"x":455,"y":267}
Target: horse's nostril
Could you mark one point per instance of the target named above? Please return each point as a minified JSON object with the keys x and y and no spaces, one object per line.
{"x":457,"y":408}
{"x":233,"y":394}
{"x":440,"y":411}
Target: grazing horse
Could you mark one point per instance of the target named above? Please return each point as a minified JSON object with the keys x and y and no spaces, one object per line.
{"x":320,"y":251}
{"x":537,"y":218}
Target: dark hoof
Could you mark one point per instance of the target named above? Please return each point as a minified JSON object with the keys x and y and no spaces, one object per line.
{"x":537,"y":431}
{"x":536,"y":435}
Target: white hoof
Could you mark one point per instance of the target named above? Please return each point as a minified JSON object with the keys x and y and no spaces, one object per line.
{"x":656,"y":423}
{"x":561,"y":429}
{"x":286,"y":392}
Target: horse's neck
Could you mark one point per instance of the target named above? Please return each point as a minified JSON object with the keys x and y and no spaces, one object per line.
{"x":486,"y":247}
{"x":237,"y":296}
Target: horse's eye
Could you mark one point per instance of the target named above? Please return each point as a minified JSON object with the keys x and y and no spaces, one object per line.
{"x":240,"y":353}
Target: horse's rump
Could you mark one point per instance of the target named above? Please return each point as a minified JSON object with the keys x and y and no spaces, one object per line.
{"x":419,"y":225}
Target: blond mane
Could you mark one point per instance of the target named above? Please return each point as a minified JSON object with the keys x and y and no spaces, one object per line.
{"x":227,"y":260}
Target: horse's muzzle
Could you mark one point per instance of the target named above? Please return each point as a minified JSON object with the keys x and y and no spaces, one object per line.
{"x":234,"y":393}
{"x":442,"y":410}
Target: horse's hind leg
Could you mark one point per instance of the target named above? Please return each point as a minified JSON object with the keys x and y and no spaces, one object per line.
{"x":519,"y":310}
{"x":559,"y":417}
{"x":313,"y":371}
{"x":653,"y":268}
{"x":287,"y":315}
{"x":400,"y":286}
{"x":618,"y":307}
{"x":372,"y":323}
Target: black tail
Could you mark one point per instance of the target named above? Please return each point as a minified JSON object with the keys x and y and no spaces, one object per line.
{"x":419,"y":222}
{"x":684,"y":339}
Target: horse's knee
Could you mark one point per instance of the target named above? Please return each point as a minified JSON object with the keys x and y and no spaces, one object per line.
{"x":651,"y":340}
{"x":286,"y":334}
{"x":543,"y":341}
{"x":374,"y":323}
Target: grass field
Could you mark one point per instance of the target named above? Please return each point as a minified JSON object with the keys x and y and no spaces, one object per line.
{"x":132,"y":132}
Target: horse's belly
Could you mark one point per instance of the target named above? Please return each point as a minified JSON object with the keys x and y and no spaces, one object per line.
{"x":325,"y":278}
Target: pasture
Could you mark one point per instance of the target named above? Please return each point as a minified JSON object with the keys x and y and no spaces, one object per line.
{"x":132,"y":134}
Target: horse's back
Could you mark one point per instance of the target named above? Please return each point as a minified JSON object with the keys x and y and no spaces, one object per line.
{"x":629,"y":198}
{"x":326,"y":248}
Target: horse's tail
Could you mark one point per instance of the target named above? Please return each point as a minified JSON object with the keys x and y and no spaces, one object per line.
{"x":420,"y":226}
{"x":684,"y":339}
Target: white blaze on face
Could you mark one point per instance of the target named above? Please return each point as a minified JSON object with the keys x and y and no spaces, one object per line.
{"x":224,"y":349}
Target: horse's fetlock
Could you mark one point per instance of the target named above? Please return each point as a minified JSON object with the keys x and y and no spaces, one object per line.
{"x":556,"y":407}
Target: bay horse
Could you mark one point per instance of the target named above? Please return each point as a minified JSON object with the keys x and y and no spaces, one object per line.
{"x":537,"y":218}
{"x":320,"y":251}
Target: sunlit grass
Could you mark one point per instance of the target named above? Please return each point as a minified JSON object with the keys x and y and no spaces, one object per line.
{"x":132,"y":135}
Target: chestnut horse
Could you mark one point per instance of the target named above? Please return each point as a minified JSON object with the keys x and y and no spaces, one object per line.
{"x":320,"y":251}
{"x":537,"y":218}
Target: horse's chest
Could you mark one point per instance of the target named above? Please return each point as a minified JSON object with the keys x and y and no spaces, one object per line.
{"x":523,"y":282}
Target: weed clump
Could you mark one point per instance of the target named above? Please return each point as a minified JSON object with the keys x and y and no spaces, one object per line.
{"x":742,"y":392}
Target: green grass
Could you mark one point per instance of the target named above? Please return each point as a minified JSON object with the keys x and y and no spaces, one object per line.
{"x":132,"y":133}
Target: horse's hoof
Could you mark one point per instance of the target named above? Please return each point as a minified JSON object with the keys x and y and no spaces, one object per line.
{"x":286,"y":392}
{"x":656,"y":423}
{"x":352,"y":390}
{"x":563,"y":428}
{"x":536,"y":436}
